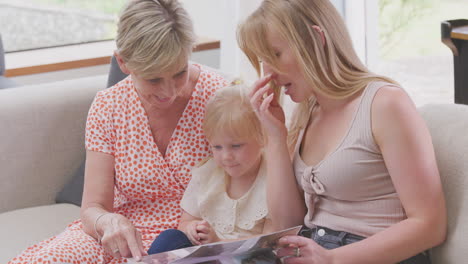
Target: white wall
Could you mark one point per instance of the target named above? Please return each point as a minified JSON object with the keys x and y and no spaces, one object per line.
{"x":219,"y":19}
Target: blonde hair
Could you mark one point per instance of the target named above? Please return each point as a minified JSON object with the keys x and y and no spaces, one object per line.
{"x":230,"y":111}
{"x":154,"y":36}
{"x":332,"y":69}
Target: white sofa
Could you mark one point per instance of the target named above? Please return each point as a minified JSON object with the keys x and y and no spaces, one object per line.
{"x":42,"y":144}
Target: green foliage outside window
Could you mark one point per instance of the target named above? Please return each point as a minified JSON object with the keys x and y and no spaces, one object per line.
{"x":411,"y":28}
{"x":105,"y":6}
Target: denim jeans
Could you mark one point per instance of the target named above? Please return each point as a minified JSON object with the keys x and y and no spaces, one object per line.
{"x":168,"y":240}
{"x":331,"y":239}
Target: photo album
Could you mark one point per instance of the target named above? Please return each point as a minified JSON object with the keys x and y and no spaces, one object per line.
{"x":259,"y":249}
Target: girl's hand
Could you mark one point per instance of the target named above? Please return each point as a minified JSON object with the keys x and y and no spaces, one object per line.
{"x":120,"y":237}
{"x":206,"y":233}
{"x":268,"y":110}
{"x":192,"y":233}
{"x":297,"y":249}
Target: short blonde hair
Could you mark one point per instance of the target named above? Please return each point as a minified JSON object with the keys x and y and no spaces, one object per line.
{"x":230,"y":111}
{"x":332,"y":69}
{"x":154,"y":36}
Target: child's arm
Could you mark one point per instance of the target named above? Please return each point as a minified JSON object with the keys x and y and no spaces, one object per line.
{"x":268,"y":227}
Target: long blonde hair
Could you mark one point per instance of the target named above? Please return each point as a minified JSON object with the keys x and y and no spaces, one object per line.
{"x":154,"y":36}
{"x":332,"y":69}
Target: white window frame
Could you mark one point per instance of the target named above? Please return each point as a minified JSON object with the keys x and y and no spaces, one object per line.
{"x":361,"y":17}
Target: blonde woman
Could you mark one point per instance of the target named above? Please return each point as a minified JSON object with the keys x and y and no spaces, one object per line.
{"x":359,"y":171}
{"x":143,"y":136}
{"x":226,"y":198}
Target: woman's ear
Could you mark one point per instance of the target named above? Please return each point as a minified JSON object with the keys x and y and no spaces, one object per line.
{"x":320,"y":31}
{"x":121,"y":62}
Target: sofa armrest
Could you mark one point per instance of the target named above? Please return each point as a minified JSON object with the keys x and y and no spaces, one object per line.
{"x":448,"y":124}
{"x":42,"y":138}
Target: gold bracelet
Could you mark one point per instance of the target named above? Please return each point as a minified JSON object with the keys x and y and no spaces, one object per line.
{"x":95,"y":226}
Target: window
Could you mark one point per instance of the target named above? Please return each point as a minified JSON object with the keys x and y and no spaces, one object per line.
{"x":34,"y":24}
{"x":410,"y":48}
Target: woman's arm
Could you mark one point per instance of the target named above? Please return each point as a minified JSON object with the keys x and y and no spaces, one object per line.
{"x":99,"y":221}
{"x":407,"y":149}
{"x":268,"y":226}
{"x":98,"y":192}
{"x":285,"y":202}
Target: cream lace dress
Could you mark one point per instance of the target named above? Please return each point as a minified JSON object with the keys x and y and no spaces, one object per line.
{"x":206,"y":198}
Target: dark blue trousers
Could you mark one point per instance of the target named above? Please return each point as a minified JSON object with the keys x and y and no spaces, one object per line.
{"x":168,"y":240}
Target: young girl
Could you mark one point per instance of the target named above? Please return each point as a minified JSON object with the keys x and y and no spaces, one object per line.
{"x":226,"y":198}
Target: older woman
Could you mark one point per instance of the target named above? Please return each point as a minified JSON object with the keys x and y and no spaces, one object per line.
{"x":143,"y":136}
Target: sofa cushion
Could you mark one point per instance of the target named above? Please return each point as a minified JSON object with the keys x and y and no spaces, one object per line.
{"x":42,"y":138}
{"x":72,"y":192}
{"x":25,"y":227}
{"x":448,"y":125}
{"x":6,"y":83}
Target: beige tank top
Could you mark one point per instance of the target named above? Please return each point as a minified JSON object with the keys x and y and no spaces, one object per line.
{"x":350,"y":189}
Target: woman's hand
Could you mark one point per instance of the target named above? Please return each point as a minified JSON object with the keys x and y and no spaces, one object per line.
{"x":206,"y":233}
{"x":120,"y":237}
{"x":297,"y":249}
{"x":268,"y":110}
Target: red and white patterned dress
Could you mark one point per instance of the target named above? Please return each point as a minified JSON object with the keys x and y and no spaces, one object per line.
{"x":148,"y":187}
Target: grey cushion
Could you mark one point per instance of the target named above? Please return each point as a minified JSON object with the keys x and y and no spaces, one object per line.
{"x":72,"y":192}
{"x":115,"y":74}
{"x":6,"y":82}
{"x":2,"y":57}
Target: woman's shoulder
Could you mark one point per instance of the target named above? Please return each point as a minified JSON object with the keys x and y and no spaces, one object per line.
{"x":210,"y":80}
{"x":391,"y":98}
{"x":391,"y":109}
{"x":211,"y":74}
{"x":116,"y":94}
{"x":119,"y":90}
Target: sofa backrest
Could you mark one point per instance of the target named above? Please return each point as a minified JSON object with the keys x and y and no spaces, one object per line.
{"x":448,"y":125}
{"x":42,"y":138}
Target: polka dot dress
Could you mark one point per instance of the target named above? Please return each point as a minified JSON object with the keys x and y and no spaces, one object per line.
{"x":148,"y":186}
